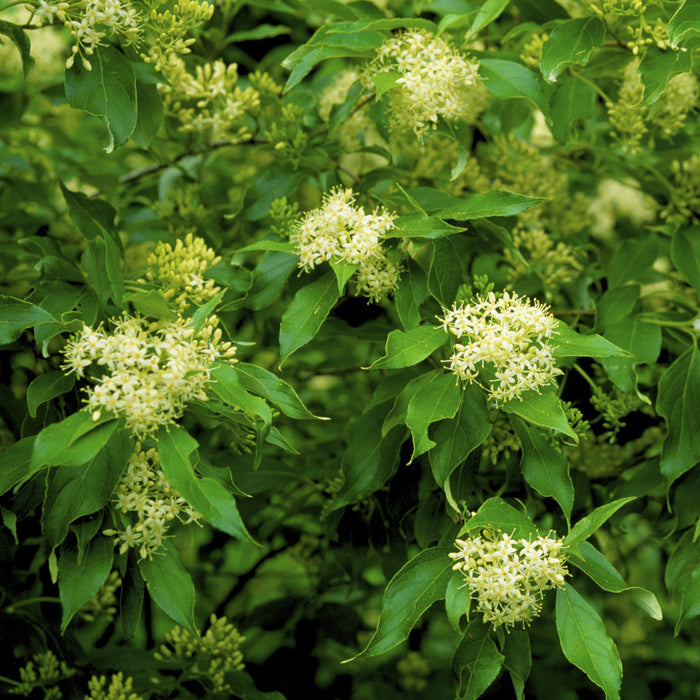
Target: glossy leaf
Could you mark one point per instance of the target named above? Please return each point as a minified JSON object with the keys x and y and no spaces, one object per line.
{"x":17,"y":315}
{"x":306,"y":314}
{"x":657,"y":67}
{"x":488,"y":12}
{"x":46,"y":387}
{"x":21,"y":41}
{"x":412,"y":291}
{"x":518,"y":660}
{"x":682,"y":578}
{"x":585,"y":642}
{"x":476,"y":661}
{"x":407,"y":348}
{"x":684,"y":25}
{"x":678,"y":402}
{"x":417,"y":585}
{"x":571,"y":44}
{"x":568,"y":343}
{"x":542,"y":409}
{"x":571,"y":104}
{"x":496,"y":513}
{"x":685,"y":253}
{"x":585,"y":527}
{"x":506,"y":79}
{"x":492,"y":203}
{"x":15,"y":463}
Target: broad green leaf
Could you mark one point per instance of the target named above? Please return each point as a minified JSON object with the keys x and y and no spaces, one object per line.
{"x":456,"y":438}
{"x":585,"y":527}
{"x":506,"y":79}
{"x":585,"y":642}
{"x":267,"y":244}
{"x":72,"y":441}
{"x":476,"y":661}
{"x":457,"y":600}
{"x":682,"y":578}
{"x":542,"y":409}
{"x":594,"y":564}
{"x":261,"y":31}
{"x":15,"y":463}
{"x":399,"y":410}
{"x":447,"y":268}
{"x":171,"y":586}
{"x":632,"y":260}
{"x":200,"y":318}
{"x":343,"y":272}
{"x":269,"y":278}
{"x":46,"y":387}
{"x":80,"y":579}
{"x":275,"y":390}
{"x":306,"y":314}
{"x":544,"y":465}
{"x":540,"y":11}
{"x":9,"y":520}
{"x":440,"y":399}
{"x":227,"y":386}
{"x":21,"y":41}
{"x":149,"y":114}
{"x":411,"y":292}
{"x":416,"y":586}
{"x":17,"y":315}
{"x":568,"y":343}
{"x":493,"y":203}
{"x":518,"y":660}
{"x":615,"y":305}
{"x":496,"y":513}
{"x":369,"y":458}
{"x":132,"y":595}
{"x":207,"y":496}
{"x":107,"y":91}
{"x":571,"y":44}
{"x":408,"y":348}
{"x":678,"y":402}
{"x":657,"y":67}
{"x":685,"y":253}
{"x":488,"y":12}
{"x":684,"y":25}
{"x":420,"y":225}
{"x":385,"y":81}
{"x":267,"y":184}
{"x":74,"y":491}
{"x":572,"y":101}
{"x":152,"y":304}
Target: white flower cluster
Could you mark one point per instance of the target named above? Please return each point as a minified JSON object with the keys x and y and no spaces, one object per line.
{"x":145,"y":492}
{"x":435,"y":80}
{"x":507,"y":577}
{"x":508,"y":337}
{"x":341,"y":231}
{"x":146,"y":371}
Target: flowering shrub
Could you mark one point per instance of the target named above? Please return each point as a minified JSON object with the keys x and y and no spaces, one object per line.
{"x":349,"y":349}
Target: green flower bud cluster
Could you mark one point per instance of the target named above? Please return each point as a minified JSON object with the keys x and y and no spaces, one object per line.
{"x":502,"y":441}
{"x":679,"y":100}
{"x":44,"y":672}
{"x":614,"y":408}
{"x":284,"y":216}
{"x":626,"y":115}
{"x":179,"y":271}
{"x":685,"y":200}
{"x":413,"y":672}
{"x":104,"y":602}
{"x":208,"y":658}
{"x":115,"y":688}
{"x":507,"y":577}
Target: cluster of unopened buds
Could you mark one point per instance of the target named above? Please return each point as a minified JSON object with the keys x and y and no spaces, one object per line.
{"x":341,"y":231}
{"x":506,"y":339}
{"x":506,"y":576}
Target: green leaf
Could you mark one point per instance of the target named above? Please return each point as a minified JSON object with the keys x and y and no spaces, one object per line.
{"x":21,"y":41}
{"x":544,"y":465}
{"x":9,"y":520}
{"x":17,"y":315}
{"x":615,"y":305}
{"x":149,"y":114}
{"x":15,"y":463}
{"x":594,"y":564}
{"x":275,"y":390}
{"x":476,"y":661}
{"x":585,"y":642}
{"x":414,"y":588}
{"x":682,"y":578}
{"x":72,"y":441}
{"x":84,"y":489}
{"x":399,"y":410}
{"x":269,"y":278}
{"x":678,"y":402}
{"x":385,"y":81}
{"x":496,"y":513}
{"x":568,"y":343}
{"x":506,"y":79}
{"x":306,"y":314}
{"x":440,"y":399}
{"x":488,"y":12}
{"x":343,"y":272}
{"x":80,"y":579}
{"x":518,"y":660}
{"x":408,"y":348}
{"x":170,"y":586}
{"x":685,"y":254}
{"x":493,"y":203}
{"x":91,"y":216}
{"x":456,"y":438}
{"x":46,"y":387}
{"x":411,"y":292}
{"x":369,"y":458}
{"x":107,"y":91}
{"x":684,"y":24}
{"x":572,"y":101}
{"x":457,"y":600}
{"x":131,"y":603}
{"x":542,"y":409}
{"x":152,"y":304}
{"x":267,"y":244}
{"x":447,"y":268}
{"x":207,"y":496}
{"x":657,"y":67}
{"x":632,"y":260}
{"x":585,"y":527}
{"x":571,"y":44}
{"x":261,"y":31}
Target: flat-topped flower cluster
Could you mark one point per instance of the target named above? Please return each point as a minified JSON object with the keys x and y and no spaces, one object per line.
{"x":506,"y":342}
{"x":146,"y":371}
{"x":341,"y":231}
{"x":506,"y":576}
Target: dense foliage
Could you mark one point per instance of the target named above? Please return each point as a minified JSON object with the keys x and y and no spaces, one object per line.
{"x":349,"y":349}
